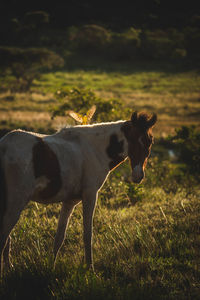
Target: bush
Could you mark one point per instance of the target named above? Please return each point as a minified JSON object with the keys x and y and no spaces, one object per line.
{"x":90,"y":38}
{"x":29,"y":30}
{"x":177,"y":37}
{"x":124,"y":46}
{"x":81,"y":100}
{"x":192,"y":40}
{"x":36,"y":19}
{"x":187,"y":143}
{"x":156,"y":45}
{"x":179,"y":53}
{"x":136,"y":43}
{"x":25,"y":64}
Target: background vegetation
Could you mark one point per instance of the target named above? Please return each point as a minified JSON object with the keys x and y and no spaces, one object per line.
{"x":122,"y":58}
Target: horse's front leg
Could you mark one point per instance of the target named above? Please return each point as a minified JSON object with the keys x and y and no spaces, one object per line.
{"x":66,"y":211}
{"x":89,"y":201}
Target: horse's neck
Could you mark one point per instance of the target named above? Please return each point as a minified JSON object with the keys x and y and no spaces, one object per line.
{"x":104,"y":142}
{"x":108,"y":140}
{"x":102,"y":134}
{"x":98,"y":135}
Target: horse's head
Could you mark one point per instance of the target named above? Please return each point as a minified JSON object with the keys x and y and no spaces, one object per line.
{"x":138,"y":132}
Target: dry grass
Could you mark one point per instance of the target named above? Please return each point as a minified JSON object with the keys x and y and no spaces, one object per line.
{"x":173,"y":110}
{"x":174,"y":95}
{"x":146,"y":242}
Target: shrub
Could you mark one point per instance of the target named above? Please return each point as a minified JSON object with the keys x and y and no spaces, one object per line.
{"x":177,"y":37}
{"x":25,"y":64}
{"x":124,"y":46}
{"x":36,"y":19}
{"x":29,"y":30}
{"x":90,"y":38}
{"x":187,"y":143}
{"x":179,"y":53}
{"x":192,"y":40}
{"x":195,"y":20}
{"x":80,"y":100}
{"x":156,"y":44}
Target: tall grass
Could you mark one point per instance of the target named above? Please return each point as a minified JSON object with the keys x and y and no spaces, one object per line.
{"x":145,"y":247}
{"x":146,"y":238}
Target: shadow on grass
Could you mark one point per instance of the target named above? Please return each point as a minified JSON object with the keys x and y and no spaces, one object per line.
{"x":26,"y":284}
{"x":76,"y":61}
{"x":35,"y":284}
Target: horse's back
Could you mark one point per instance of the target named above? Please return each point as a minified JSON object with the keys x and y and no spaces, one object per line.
{"x":50,"y":166}
{"x":16,"y":148}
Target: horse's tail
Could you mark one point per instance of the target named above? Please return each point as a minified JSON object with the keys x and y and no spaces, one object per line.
{"x":3,"y":193}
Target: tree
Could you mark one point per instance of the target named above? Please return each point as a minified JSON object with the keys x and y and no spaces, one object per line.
{"x":26,"y":64}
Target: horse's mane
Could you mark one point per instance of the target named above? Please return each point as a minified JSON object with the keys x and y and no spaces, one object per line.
{"x":143,"y":119}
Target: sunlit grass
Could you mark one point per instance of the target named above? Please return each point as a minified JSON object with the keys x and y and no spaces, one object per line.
{"x":146,"y":239}
{"x":154,"y":82}
{"x":174,"y":96}
{"x":140,"y":249}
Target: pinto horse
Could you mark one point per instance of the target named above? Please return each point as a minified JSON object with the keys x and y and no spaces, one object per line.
{"x":68,"y":166}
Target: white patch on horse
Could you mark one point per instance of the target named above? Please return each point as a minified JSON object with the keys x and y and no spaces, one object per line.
{"x":69,"y":166}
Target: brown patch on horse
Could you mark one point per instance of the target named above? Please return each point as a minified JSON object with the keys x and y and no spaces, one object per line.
{"x":131,"y":134}
{"x":143,"y":120}
{"x":114,"y":149}
{"x":137,"y":131}
{"x":3,"y":193}
{"x":45,"y":163}
{"x":140,"y":124}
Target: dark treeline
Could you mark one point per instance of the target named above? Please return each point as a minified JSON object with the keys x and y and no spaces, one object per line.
{"x":111,"y":30}
{"x":113,"y":14}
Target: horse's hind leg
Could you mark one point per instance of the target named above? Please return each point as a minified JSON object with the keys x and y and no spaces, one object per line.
{"x":3,"y":241}
{"x":6,"y":253}
{"x":10,"y":218}
{"x":5,"y":259}
{"x":65,"y":214}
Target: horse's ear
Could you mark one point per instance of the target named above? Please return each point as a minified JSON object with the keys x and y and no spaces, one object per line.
{"x":134,"y":117}
{"x":152,"y":121}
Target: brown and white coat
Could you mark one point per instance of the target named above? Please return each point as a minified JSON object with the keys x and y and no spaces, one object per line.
{"x":68,"y":166}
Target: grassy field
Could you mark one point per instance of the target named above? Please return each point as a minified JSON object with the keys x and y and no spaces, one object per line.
{"x":173,"y":94}
{"x":146,"y":237}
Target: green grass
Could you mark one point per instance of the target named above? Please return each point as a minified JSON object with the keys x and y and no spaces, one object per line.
{"x":170,"y":91}
{"x":146,"y":244}
{"x":119,"y":82}
{"x":146,"y":238}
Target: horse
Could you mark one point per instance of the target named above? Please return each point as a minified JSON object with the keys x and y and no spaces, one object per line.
{"x":68,"y":166}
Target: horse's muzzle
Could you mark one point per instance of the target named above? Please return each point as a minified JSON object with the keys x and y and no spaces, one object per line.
{"x":138,"y":174}
{"x":137,"y":180}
